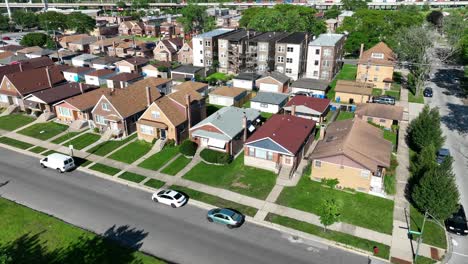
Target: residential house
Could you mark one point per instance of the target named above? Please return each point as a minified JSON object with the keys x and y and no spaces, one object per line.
{"x":82,"y":44}
{"x":125,"y":48}
{"x":105,"y":30}
{"x":232,"y":49}
{"x":315,"y":87}
{"x":269,"y":102}
{"x":11,"y":59}
{"x":184,"y":55}
{"x":332,"y":25}
{"x":355,"y":153}
{"x":66,"y":40}
{"x":113,"y":19}
{"x":280,"y":144}
{"x":261,"y":51}
{"x":291,"y":55}
{"x":24,"y":65}
{"x":43,"y":101}
{"x":325,"y":56}
{"x":15,"y":86}
{"x":205,"y":47}
{"x":376,"y":65}
{"x":226,"y":130}
{"x":40,"y":53}
{"x":171,"y":116}
{"x":167,"y":29}
{"x":143,"y":50}
{"x":352,"y":92}
{"x":99,"y":77}
{"x":130,"y":28}
{"x":275,"y":82}
{"x":245,"y":80}
{"x":228,"y":96}
{"x":26,"y":51}
{"x":119,"y":110}
{"x":63,"y":56}
{"x":83,"y":60}
{"x":11,"y":48}
{"x":5,"y":57}
{"x":187,"y":72}
{"x":123,"y":80}
{"x":152,"y":70}
{"x":76,"y":74}
{"x":131,"y":64}
{"x":199,"y":87}
{"x":380,"y":114}
{"x":106,"y":62}
{"x":151,"y":29}
{"x":102,"y":46}
{"x":344,"y":14}
{"x":308,"y":107}
{"x":166,"y":50}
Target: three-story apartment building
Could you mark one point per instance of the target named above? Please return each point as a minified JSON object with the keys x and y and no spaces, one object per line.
{"x":291,"y":54}
{"x":325,"y":56}
{"x":261,"y":51}
{"x":232,"y":50}
{"x":205,"y":47}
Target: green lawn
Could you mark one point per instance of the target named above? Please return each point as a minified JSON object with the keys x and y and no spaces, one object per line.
{"x":133,"y":177}
{"x":358,"y":209}
{"x":177,"y":165}
{"x":367,"y":245}
{"x":35,"y":237}
{"x":329,"y":116}
{"x":109,"y":146}
{"x":235,"y":177}
{"x":132,"y":151}
{"x":376,"y":92}
{"x":433,"y":233}
{"x":156,"y":161}
{"x":65,"y":137}
{"x":212,"y":108}
{"x":14,"y":121}
{"x":104,"y":169}
{"x":216,"y":201}
{"x":395,"y":94}
{"x":390,"y":176}
{"x":218,"y":76}
{"x":348,"y":72}
{"x":38,"y":150}
{"x":390,"y":136}
{"x":83,"y":141}
{"x":15,"y":143}
{"x":424,"y":260}
{"x":412,"y":98}
{"x":343,"y":115}
{"x":153,"y":183}
{"x":265,"y":115}
{"x":246,"y":104}
{"x":44,"y":131}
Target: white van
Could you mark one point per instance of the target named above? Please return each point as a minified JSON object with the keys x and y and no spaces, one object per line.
{"x":58,"y":162}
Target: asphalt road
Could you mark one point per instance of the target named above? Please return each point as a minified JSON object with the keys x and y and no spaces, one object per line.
{"x":454,"y":116}
{"x":179,"y":235}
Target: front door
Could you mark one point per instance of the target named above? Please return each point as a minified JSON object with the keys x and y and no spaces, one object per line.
{"x":204,"y":142}
{"x":114,"y":126}
{"x":162,"y":133}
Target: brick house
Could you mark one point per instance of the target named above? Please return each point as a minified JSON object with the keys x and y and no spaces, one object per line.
{"x":352,"y":92}
{"x":166,"y":50}
{"x":131,"y":64}
{"x":380,"y":114}
{"x":185,"y":54}
{"x":275,"y":82}
{"x":128,"y":28}
{"x":376,"y":65}
{"x":308,"y":107}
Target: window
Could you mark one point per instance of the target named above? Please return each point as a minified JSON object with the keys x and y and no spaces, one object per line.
{"x":375,"y":78}
{"x":318,"y":164}
{"x":261,"y":58}
{"x":201,"y":60}
{"x":261,"y":68}
{"x":105,"y":107}
{"x":365,"y":174}
{"x":155,"y":114}
{"x":327,"y":52}
{"x":100,"y":120}
{"x":223,"y":55}
{"x":146,"y":130}
{"x":269,"y":155}
{"x":201,"y":51}
{"x":280,"y":59}
{"x":317,"y":51}
{"x":259,"y":153}
{"x":208,"y":43}
{"x":326,"y":63}
{"x":325,"y":75}
{"x":290,"y":49}
{"x":263,"y":105}
{"x":315,"y":73}
{"x":289,"y":60}
{"x":382,"y":120}
{"x":252,"y":152}
{"x":377,"y":55}
{"x":288,"y":70}
{"x":8,"y":85}
{"x":280,"y":48}
{"x":263,"y":47}
{"x":64,"y":111}
{"x":201,"y":42}
{"x":208,"y":53}
{"x":222,"y":63}
{"x":377,"y":68}
{"x":208,"y":62}
{"x":316,"y":63}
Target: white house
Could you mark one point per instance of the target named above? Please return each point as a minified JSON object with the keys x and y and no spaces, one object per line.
{"x":83,"y":60}
{"x":245,"y":80}
{"x":76,"y":74}
{"x":105,"y":62}
{"x":152,"y":71}
{"x":99,"y":77}
{"x":269,"y":102}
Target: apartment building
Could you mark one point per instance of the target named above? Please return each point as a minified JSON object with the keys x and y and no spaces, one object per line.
{"x":291,"y":55}
{"x":205,"y":47}
{"x":325,"y":56}
{"x":261,"y":51}
{"x":233,"y":50}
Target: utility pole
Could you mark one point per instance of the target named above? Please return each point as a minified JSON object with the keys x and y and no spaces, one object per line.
{"x":420,"y":236}
{"x":8,"y":9}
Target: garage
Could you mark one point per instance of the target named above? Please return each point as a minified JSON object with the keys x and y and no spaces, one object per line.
{"x":268,"y":87}
{"x":227,"y":96}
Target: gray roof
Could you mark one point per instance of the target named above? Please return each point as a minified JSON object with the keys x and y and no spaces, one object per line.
{"x":312,"y":84}
{"x":187,"y":69}
{"x":269,"y":36}
{"x":85,"y":56}
{"x":43,"y":52}
{"x":270,"y":98}
{"x":105,"y":60}
{"x":229,"y":119}
{"x":85,"y":40}
{"x":277,"y":76}
{"x":326,"y":40}
{"x":214,"y":33}
{"x":249,"y":76}
{"x":208,"y":134}
{"x":13,"y":58}
{"x":294,"y":38}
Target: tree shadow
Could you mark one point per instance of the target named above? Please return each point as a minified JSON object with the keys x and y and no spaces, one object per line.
{"x":450,"y":80}
{"x":457,"y":118}
{"x":25,"y":250}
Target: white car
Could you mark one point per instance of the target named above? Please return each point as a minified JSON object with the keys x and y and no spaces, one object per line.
{"x":59,"y":162}
{"x":169,"y":197}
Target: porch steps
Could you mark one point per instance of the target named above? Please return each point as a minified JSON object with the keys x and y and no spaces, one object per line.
{"x":78,"y":125}
{"x":10,"y":109}
{"x":46,"y":116}
{"x":107,"y":135}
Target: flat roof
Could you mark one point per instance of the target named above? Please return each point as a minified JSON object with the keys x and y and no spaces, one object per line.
{"x":327,"y":39}
{"x":294,"y":38}
{"x":214,"y":33}
{"x":269,"y":36}
{"x":313,"y":84}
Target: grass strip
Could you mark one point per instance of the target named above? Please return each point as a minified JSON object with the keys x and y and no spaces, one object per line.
{"x":133,"y":177}
{"x":38,"y":150}
{"x":104,"y":169}
{"x":156,"y":161}
{"x":83,"y":140}
{"x":65,"y":137}
{"x":14,"y":121}
{"x":177,"y":165}
{"x":15,"y":143}
{"x":153,"y":183}
{"x":107,"y":147}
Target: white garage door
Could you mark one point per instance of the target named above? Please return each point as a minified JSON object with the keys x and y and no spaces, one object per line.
{"x":268,"y":87}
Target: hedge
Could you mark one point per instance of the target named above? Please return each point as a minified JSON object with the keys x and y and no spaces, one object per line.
{"x":188,"y":148}
{"x":212,"y":156}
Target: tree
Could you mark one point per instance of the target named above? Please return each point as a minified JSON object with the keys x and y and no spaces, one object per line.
{"x":425,"y":130}
{"x":25,"y":19}
{"x":437,"y":192}
{"x":354,"y":4}
{"x":194,"y":18}
{"x":424,"y":162}
{"x":329,"y":212}
{"x":455,"y":28}
{"x":412,"y":46}
{"x":52,"y":20}
{"x":139,"y":4}
{"x":333,"y":12}
{"x":4,"y":23}
{"x":35,"y":39}
{"x":121,"y":4}
{"x":435,"y":18}
{"x":80,"y":22}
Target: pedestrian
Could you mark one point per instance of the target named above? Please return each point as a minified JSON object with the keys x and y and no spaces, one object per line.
{"x":376,"y":250}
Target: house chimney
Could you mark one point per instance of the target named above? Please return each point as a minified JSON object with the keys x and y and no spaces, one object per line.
{"x":361,"y":50}
{"x":244,"y":125}
{"x":322,"y":132}
{"x":81,"y":88}
{"x":148,"y":95}
{"x":20,"y":67}
{"x":48,"y":76}
{"x":189,"y":110}
{"x":293,"y":110}
{"x":112,"y":90}
{"x":113,"y":48}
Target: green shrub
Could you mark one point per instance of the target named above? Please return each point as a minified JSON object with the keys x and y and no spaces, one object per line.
{"x":330,"y":182}
{"x":96,"y":130}
{"x":188,"y":148}
{"x":212,"y":156}
{"x":170,"y":143}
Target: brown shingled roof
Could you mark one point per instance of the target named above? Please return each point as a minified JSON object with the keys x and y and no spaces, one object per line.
{"x":190,"y":86}
{"x":125,"y":76}
{"x":228,"y":91}
{"x":353,"y":87}
{"x":357,"y":140}
{"x":392,"y":112}
{"x":101,"y":72}
{"x":381,"y":47}
{"x":87,"y":100}
{"x":30,"y":81}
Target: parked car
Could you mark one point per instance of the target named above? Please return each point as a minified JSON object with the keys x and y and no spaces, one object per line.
{"x":457,"y":222}
{"x":169,"y":197}
{"x":427,"y":92}
{"x":226,"y":216}
{"x":442,"y":154}
{"x":6,"y":38}
{"x":301,"y":93}
{"x":59,"y":162}
{"x":384,"y":99}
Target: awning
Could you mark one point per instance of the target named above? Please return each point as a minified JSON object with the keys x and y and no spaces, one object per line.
{"x":216,"y":143}
{"x":389,"y":80}
{"x":152,"y":124}
{"x":113,"y":118}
